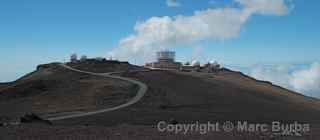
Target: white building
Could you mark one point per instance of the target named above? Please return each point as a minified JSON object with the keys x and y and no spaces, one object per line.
{"x":73,"y":58}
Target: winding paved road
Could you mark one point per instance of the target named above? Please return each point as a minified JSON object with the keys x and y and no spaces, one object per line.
{"x":142,"y":91}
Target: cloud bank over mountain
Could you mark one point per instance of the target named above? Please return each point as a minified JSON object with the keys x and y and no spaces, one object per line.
{"x":307,"y":80}
{"x":304,"y":80}
{"x":158,"y":33}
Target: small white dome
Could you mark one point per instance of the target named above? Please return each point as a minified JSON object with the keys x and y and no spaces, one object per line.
{"x":195,"y":63}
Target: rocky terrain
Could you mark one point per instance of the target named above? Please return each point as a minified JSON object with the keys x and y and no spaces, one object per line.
{"x":172,"y":96}
{"x":52,"y":89}
{"x":104,"y":66}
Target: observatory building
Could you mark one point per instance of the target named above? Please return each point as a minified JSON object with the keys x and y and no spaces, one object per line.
{"x":165,"y":60}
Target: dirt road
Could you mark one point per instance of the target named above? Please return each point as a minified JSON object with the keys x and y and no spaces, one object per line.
{"x":142,"y":90}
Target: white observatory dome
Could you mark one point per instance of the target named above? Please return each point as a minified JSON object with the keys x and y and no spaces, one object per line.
{"x":214,"y":63}
{"x":195,"y":63}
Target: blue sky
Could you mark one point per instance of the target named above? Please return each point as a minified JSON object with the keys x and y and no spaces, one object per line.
{"x":42,"y":31}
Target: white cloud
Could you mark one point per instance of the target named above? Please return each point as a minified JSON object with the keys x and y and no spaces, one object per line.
{"x":158,"y":33}
{"x":303,"y":80}
{"x":307,"y":80}
{"x":212,"y":2}
{"x":278,"y":75}
{"x":173,"y":3}
{"x":269,"y":7}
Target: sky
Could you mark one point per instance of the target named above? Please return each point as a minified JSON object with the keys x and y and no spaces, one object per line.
{"x":277,"y":37}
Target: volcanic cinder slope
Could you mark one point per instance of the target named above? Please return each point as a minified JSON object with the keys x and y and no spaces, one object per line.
{"x":227,"y":95}
{"x":52,"y":89}
{"x":184,"y":97}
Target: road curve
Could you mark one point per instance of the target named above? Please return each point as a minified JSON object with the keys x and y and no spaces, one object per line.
{"x":142,"y":91}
